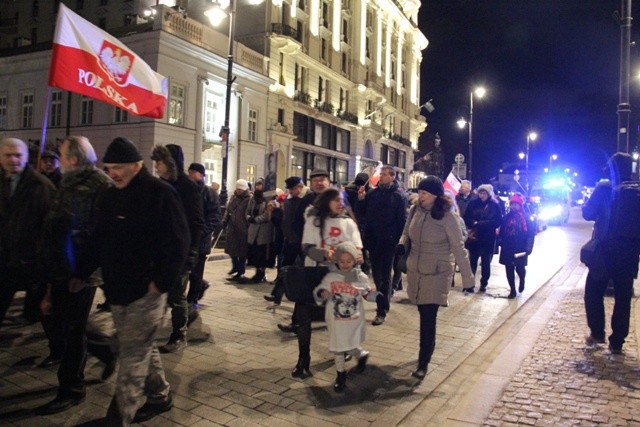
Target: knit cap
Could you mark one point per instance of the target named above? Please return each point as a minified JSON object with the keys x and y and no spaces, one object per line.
{"x":432,"y":184}
{"x":121,"y":150}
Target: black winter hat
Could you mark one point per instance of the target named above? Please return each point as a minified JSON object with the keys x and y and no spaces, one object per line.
{"x":292,"y":181}
{"x":198,"y":168}
{"x":432,"y":184}
{"x":361,"y":179}
{"x":121,"y":150}
{"x":50,"y":154}
{"x":177,"y":154}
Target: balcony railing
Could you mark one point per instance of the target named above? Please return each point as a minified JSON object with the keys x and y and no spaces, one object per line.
{"x":325,"y":107}
{"x":302,"y":97}
{"x":348,"y":117}
{"x":284,"y":30}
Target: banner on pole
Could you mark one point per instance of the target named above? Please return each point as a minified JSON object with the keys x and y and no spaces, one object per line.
{"x":452,"y":184}
{"x":91,"y":62}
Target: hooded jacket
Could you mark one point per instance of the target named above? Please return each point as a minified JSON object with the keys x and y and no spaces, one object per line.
{"x":188,"y":192}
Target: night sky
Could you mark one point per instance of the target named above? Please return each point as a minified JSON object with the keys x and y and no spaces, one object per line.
{"x":548,"y":65}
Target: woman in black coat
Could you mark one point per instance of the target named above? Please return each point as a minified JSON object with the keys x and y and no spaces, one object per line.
{"x":517,"y":234}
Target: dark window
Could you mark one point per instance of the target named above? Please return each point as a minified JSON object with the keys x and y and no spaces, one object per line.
{"x":34,"y":36}
{"x":281,"y":116}
{"x":35,"y":9}
{"x":79,"y":4}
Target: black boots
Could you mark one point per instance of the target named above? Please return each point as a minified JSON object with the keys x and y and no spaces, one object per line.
{"x":341,"y":382}
{"x":302,"y":369}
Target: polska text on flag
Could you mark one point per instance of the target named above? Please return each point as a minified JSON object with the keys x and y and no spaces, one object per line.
{"x":452,"y":184}
{"x":89,"y":61}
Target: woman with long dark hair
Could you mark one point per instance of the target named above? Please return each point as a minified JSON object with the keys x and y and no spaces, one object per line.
{"x":433,"y":237}
{"x":327,"y":224}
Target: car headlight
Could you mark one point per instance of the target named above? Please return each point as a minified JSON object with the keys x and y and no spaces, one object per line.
{"x":551,"y":212}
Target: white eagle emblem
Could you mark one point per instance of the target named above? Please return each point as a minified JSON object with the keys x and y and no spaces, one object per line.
{"x":116,"y":62}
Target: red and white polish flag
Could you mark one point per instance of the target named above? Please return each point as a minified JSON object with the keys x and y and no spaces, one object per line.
{"x":91,"y":62}
{"x":452,"y":184}
{"x":375,"y":176}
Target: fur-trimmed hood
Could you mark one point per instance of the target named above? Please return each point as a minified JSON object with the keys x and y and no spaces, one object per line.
{"x":162,"y":154}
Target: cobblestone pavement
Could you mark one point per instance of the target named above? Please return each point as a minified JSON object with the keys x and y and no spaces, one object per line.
{"x":236,"y":369}
{"x":563,"y":382}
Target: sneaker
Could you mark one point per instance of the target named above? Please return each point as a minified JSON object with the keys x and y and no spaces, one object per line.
{"x":379,"y":320}
{"x":174,"y":345}
{"x":419,"y":373}
{"x":591,"y":341}
{"x":237,"y":278}
{"x":468,"y":291}
{"x":150,"y":410}
{"x":483,"y":288}
{"x":521,"y":288}
{"x":512,"y":294}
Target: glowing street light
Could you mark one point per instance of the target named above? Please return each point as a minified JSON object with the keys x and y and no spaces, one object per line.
{"x":552,"y":158}
{"x":531,"y":136}
{"x":479,"y":92}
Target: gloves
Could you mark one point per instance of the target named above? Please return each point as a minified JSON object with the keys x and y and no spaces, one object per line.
{"x":400,"y":250}
{"x":251,"y":220}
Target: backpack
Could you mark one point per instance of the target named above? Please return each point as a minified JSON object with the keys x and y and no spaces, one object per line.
{"x":625,"y":210}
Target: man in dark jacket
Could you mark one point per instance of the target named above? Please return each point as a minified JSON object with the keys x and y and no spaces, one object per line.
{"x":464,"y":197}
{"x":291,"y":224}
{"x":169,"y":165}
{"x":384,"y":210}
{"x":482,"y":218}
{"x":351,"y":190}
{"x":69,"y":227}
{"x":141,"y":243}
{"x":25,"y":198}
{"x":619,"y":261}
{"x":212,"y":220}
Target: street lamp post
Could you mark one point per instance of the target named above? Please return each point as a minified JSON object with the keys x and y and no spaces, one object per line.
{"x":215,"y":15}
{"x":479,"y":92}
{"x":531,"y":136}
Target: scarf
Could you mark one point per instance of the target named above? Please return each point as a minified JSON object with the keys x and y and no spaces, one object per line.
{"x":514,"y":224}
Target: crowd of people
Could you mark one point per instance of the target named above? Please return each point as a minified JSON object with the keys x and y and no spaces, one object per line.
{"x":144,"y":240}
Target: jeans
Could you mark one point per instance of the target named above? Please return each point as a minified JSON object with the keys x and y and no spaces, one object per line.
{"x":177,"y":300}
{"x":486,"y":255}
{"x":71,"y":312}
{"x":381,"y":264}
{"x":195,"y":280}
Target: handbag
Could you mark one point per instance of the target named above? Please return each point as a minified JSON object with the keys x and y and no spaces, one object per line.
{"x":590,"y":254}
{"x":401,"y":262}
{"x":299,"y":282}
{"x":402,"y":259}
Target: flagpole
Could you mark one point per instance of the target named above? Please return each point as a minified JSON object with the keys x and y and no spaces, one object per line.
{"x":45,"y":123}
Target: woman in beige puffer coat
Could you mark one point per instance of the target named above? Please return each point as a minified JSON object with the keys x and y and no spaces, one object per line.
{"x":433,"y":237}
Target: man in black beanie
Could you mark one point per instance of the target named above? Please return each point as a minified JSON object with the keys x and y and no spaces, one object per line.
{"x":141,"y":242}
{"x":169,"y":164}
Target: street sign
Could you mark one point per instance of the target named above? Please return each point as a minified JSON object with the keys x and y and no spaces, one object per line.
{"x":459,"y":170}
{"x":459,"y":158}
